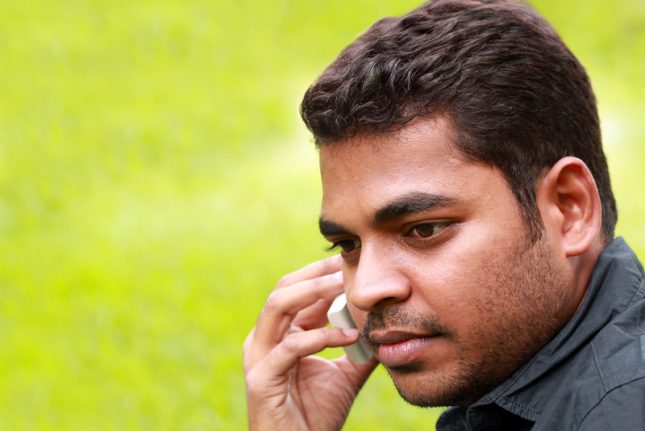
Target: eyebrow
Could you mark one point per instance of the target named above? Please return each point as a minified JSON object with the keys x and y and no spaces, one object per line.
{"x":328,"y":228}
{"x":411,"y":203}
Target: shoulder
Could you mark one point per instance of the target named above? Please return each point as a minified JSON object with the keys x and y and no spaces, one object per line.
{"x":604,"y":386}
{"x":619,"y":361}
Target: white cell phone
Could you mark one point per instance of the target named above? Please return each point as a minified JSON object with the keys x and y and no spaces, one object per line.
{"x":339,"y":317}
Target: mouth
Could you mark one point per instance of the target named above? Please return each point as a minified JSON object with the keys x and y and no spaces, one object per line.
{"x":396,"y":348}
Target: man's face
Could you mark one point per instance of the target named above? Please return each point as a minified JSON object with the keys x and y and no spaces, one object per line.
{"x":438,"y":271}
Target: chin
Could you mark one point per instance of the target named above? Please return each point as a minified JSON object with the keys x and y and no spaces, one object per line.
{"x":435,"y":389}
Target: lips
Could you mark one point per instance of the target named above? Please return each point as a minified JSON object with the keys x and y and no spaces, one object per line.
{"x":399,"y":348}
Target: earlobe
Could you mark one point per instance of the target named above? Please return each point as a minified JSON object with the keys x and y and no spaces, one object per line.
{"x":569,"y":202}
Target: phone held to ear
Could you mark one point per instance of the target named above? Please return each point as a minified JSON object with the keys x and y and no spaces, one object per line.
{"x":339,"y":317}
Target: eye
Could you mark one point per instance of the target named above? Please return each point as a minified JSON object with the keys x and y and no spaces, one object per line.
{"x":427,"y":230}
{"x":346,"y":246}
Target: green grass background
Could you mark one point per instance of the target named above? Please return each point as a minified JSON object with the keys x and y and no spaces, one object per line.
{"x":155,"y":182}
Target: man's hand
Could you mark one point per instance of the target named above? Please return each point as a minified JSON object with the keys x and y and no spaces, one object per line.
{"x":286,"y":388}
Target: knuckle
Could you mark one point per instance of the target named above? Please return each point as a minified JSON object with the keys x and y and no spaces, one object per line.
{"x":247,"y":359}
{"x":331,"y":265}
{"x":326,"y":334}
{"x":246,"y":364}
{"x":291,"y":343}
{"x":247,"y":343}
{"x":283,"y":282}
{"x":317,"y":283}
{"x":253,"y":383}
{"x":327,"y":265}
{"x":274,"y":301}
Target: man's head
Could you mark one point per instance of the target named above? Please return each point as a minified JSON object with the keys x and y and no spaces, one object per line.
{"x":517,"y":98}
{"x":460,"y":153}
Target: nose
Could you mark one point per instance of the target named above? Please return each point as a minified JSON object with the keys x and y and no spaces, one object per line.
{"x":377,"y":279}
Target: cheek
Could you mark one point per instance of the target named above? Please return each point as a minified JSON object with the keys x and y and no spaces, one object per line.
{"x":458,"y":283}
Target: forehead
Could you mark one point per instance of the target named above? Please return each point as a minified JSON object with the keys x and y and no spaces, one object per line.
{"x":432,"y":136}
{"x":365,"y":171}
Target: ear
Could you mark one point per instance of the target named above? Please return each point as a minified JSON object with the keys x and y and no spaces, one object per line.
{"x":569,"y":204}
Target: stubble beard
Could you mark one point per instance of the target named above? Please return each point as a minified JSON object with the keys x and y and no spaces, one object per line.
{"x":524,"y":309}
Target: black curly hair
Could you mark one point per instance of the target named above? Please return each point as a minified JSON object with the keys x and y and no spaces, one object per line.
{"x":517,"y":98}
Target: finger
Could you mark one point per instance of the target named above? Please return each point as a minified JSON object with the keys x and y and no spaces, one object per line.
{"x":314,"y":316}
{"x":301,"y":344}
{"x":283,"y":304}
{"x":357,"y":374}
{"x":313,"y":270}
{"x":246,"y":349}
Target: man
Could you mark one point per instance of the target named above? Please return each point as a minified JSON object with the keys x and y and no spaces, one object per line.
{"x":465,"y":186}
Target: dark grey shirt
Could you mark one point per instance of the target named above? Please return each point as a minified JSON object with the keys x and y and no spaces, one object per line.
{"x":590,"y":376}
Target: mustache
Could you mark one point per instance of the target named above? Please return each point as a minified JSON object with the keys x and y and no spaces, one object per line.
{"x":396,"y":317}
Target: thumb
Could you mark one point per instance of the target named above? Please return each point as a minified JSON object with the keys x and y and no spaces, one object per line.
{"x":357,"y":374}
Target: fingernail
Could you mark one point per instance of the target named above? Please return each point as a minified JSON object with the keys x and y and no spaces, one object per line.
{"x":350,"y":332}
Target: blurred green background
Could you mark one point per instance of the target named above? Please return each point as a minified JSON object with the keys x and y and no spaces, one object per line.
{"x":155,"y":182}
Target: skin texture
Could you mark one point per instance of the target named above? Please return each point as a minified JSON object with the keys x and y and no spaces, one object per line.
{"x":438,"y":273}
{"x":459,"y":279}
{"x":286,"y":388}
